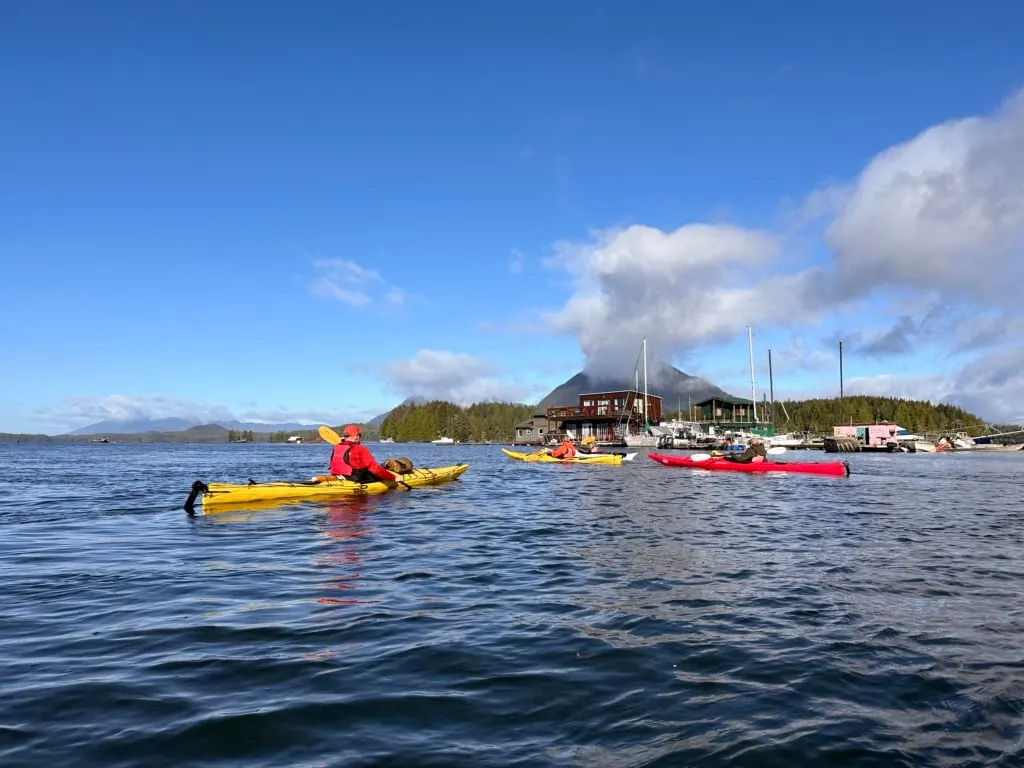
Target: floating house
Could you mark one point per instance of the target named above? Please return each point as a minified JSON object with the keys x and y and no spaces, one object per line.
{"x":607,"y":416}
{"x":726,"y":413}
{"x":532,"y":431}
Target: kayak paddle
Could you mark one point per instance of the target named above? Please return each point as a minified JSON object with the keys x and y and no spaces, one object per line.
{"x":775,"y":451}
{"x":329,"y":435}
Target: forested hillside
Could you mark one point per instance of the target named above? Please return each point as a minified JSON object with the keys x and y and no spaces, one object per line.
{"x":480,"y":421}
{"x":916,"y":415}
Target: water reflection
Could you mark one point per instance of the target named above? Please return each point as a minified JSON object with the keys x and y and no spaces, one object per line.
{"x":345,"y":528}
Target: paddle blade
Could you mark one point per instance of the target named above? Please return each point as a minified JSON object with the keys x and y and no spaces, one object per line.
{"x":629,"y":457}
{"x":329,"y":435}
{"x":776,"y":450}
{"x":700,"y":456}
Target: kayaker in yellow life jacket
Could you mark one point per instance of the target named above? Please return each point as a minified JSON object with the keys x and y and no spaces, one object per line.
{"x":564,"y":451}
{"x":755,"y":451}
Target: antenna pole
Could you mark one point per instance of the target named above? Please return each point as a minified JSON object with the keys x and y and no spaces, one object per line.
{"x":841,"y":414}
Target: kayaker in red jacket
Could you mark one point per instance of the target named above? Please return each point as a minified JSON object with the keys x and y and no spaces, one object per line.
{"x":353,"y":461}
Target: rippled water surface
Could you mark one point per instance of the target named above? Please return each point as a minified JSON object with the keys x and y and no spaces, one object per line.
{"x":638,"y":615}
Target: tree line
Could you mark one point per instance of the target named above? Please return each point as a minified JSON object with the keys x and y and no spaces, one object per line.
{"x":820,"y":415}
{"x":480,"y":422}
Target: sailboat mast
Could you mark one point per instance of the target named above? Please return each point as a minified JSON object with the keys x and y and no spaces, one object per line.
{"x":647,"y":422}
{"x":771,"y":383}
{"x":753,"y":393}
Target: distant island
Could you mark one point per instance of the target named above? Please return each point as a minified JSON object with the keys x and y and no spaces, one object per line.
{"x":204,"y":433}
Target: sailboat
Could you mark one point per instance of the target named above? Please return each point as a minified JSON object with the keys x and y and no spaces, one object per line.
{"x":647,"y":437}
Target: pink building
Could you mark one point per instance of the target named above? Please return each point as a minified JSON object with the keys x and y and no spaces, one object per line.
{"x":869,"y":434}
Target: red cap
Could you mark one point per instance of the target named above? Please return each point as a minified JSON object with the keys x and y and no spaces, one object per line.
{"x":351,"y":431}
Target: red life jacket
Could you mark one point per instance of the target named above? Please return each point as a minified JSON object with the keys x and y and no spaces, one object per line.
{"x":339,"y":460}
{"x":564,"y":451}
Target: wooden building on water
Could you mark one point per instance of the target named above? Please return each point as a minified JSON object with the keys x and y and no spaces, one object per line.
{"x":532,"y":431}
{"x":606,"y":416}
{"x":731,"y":414}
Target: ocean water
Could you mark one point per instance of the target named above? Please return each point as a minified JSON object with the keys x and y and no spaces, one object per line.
{"x":545,"y":615}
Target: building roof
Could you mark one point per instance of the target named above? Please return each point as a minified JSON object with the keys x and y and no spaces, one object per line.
{"x":725,"y":399}
{"x":617,"y":392}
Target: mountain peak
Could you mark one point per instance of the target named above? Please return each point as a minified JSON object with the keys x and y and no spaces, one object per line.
{"x":377,"y":420}
{"x":673,"y":386}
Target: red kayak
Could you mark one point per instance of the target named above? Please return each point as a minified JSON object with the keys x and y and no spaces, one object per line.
{"x":831,"y":468}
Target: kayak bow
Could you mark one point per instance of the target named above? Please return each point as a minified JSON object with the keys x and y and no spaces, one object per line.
{"x":227,"y":494}
{"x":830,"y":468}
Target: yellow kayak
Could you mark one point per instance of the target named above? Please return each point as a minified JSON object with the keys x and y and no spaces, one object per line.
{"x":217,"y":495}
{"x":593,"y":458}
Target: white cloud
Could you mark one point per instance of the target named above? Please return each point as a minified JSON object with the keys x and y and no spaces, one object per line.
{"x":282,"y":415}
{"x":980,"y":330}
{"x":680,"y":289}
{"x":801,"y":357}
{"x":992,"y":385}
{"x":82,"y":410}
{"x":894,"y":341}
{"x":345,"y":281}
{"x":75,"y":412}
{"x":395,"y":298}
{"x":943,"y":211}
{"x":515,"y":266}
{"x":456,"y":377}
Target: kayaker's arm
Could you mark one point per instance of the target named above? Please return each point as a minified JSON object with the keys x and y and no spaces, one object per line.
{"x":361,"y":458}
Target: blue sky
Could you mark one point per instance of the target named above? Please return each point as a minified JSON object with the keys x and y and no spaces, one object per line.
{"x":309,"y":211}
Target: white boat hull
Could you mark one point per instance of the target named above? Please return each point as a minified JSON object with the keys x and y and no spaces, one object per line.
{"x":641,"y":441}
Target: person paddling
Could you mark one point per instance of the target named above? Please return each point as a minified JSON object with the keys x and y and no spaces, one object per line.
{"x":755,"y":451}
{"x":564,"y":451}
{"x":353,"y":461}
